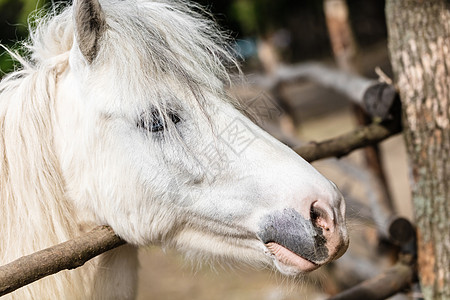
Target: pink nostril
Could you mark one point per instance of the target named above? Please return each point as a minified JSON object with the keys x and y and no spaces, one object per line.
{"x":321,"y":216}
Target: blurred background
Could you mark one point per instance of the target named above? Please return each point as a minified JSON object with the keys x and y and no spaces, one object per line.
{"x":297,"y":29}
{"x":267,"y":35}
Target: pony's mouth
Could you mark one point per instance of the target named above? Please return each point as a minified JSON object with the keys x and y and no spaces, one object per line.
{"x":289,"y":263}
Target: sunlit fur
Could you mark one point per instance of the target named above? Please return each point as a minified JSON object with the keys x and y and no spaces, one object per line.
{"x":74,"y":157}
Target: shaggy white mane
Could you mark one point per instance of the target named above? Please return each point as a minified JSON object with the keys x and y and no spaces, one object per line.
{"x":163,"y":41}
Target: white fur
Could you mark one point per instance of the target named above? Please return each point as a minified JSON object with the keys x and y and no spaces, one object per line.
{"x":74,"y":157}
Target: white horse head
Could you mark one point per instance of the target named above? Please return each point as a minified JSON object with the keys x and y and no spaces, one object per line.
{"x":143,"y":137}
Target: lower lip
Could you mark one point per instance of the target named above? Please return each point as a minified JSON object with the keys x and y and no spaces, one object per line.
{"x":290,"y":259}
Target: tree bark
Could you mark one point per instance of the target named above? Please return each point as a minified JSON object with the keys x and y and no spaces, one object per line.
{"x":419,"y":45}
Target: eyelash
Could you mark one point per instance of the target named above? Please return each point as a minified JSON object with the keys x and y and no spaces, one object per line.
{"x":155,"y":123}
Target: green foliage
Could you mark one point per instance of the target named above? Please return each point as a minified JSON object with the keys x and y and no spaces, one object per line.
{"x":245,"y":13}
{"x":13,"y":26}
{"x":258,"y":17}
{"x":252,"y":15}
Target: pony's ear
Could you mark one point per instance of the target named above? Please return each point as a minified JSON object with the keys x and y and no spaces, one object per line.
{"x":89,"y":26}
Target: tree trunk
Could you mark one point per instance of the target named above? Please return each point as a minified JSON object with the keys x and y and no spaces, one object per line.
{"x":419,"y":45}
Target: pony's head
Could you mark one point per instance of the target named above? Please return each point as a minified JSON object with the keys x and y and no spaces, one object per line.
{"x":149,"y":143}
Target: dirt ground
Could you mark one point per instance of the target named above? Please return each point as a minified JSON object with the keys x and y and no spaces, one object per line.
{"x":166,"y":275}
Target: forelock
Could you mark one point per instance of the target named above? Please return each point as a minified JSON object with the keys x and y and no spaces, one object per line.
{"x":175,"y":41}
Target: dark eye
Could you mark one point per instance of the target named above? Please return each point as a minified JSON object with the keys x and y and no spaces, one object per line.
{"x":155,"y":122}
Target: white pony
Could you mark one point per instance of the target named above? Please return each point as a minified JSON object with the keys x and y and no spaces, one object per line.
{"x":119,"y":117}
